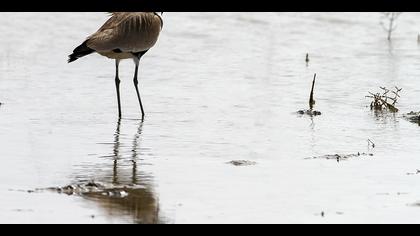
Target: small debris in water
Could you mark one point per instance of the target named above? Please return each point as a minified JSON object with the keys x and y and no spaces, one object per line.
{"x":309,"y":112}
{"x":89,"y":188}
{"x":415,"y":173}
{"x":416,"y":204}
{"x":23,"y":210}
{"x":388,"y":194}
{"x":241,"y":163}
{"x":413,"y":117}
{"x":307,"y":58}
{"x":322,"y":214}
{"x":93,"y":184}
{"x":339,"y":157}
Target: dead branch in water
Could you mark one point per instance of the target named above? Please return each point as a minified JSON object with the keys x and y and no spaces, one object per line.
{"x":384,"y":101}
{"x":311,"y":112}
{"x":370,"y":143}
{"x":311,"y":96}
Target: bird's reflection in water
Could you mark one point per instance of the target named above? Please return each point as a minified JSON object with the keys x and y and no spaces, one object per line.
{"x":116,"y":152}
{"x":134,"y":152}
{"x":132,"y":193}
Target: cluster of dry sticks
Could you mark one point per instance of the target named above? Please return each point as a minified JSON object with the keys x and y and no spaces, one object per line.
{"x":385,"y":100}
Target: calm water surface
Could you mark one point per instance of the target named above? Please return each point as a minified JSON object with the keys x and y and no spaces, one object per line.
{"x":217,"y":87}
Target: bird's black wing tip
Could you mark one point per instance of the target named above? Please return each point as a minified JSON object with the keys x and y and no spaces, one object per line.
{"x":71,"y":58}
{"x":80,"y":51}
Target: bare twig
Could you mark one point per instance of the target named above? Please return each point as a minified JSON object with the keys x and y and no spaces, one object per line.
{"x":370,"y":143}
{"x":311,"y":97}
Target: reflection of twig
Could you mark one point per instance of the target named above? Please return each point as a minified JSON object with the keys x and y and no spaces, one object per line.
{"x":312,"y":123}
{"x":392,"y":17}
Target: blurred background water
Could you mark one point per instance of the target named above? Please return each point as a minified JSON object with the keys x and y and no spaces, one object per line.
{"x":216,"y":87}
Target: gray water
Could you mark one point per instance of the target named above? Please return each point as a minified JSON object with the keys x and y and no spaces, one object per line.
{"x":216,"y":87}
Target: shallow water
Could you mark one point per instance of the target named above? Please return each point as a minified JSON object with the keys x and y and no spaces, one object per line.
{"x":217,"y":87}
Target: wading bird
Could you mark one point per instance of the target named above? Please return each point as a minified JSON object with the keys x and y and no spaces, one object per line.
{"x":126,"y":35}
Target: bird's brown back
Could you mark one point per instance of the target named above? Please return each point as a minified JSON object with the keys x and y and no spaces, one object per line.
{"x":128,"y":32}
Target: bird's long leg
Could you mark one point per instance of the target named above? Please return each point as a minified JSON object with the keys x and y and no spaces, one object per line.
{"x":117,"y":85}
{"x":136,"y":83}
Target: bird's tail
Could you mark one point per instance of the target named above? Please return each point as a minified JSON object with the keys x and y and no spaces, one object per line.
{"x":81,"y":51}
